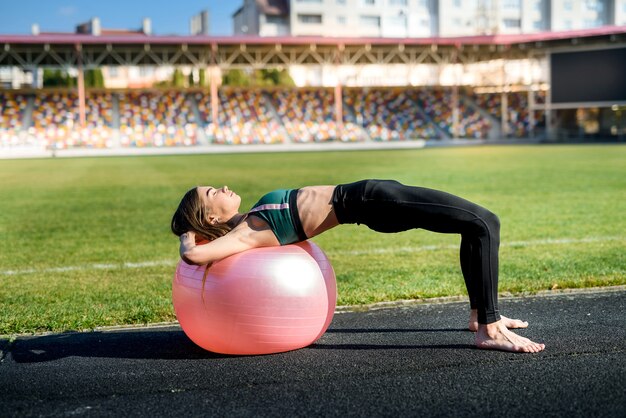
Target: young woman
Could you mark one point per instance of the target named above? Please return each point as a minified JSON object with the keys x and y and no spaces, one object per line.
{"x":287,"y":216}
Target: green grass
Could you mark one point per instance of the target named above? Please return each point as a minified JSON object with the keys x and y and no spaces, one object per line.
{"x":67,"y":226}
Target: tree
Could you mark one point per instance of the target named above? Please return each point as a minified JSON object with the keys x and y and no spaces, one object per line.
{"x":57,"y":78}
{"x":284,"y":79}
{"x":51,"y":78}
{"x":235,"y":77}
{"x":273,"y":77}
{"x":94,"y":78}
{"x":178,"y":79}
{"x":262,"y":78}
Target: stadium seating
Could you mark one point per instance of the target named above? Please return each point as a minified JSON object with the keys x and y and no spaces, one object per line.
{"x":56,"y":125}
{"x":156,"y":118}
{"x":308,"y":115}
{"x":518,"y":116}
{"x":389,"y":114}
{"x":437,"y":104}
{"x":245,"y":116}
{"x":12,"y":107}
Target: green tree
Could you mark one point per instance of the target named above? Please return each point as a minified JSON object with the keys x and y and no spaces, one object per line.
{"x":57,"y":78}
{"x":94,"y":78}
{"x":178,"y":79}
{"x":284,"y":79}
{"x":272,"y":77}
{"x":235,"y":77}
{"x":51,"y":78}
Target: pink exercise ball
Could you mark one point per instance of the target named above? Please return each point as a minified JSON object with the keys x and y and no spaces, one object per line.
{"x":261,"y":301}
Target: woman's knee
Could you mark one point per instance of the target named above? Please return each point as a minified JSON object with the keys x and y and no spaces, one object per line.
{"x":490,"y":222}
{"x":493,"y":221}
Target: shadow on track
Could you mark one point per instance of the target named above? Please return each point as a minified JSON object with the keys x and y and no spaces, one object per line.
{"x":389,"y":346}
{"x":171,"y":343}
{"x":390,"y":330}
{"x":128,"y":344}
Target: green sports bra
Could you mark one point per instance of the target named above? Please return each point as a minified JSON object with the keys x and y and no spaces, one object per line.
{"x":280,"y":210}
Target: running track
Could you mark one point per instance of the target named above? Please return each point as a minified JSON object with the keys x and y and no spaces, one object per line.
{"x":412,"y":360}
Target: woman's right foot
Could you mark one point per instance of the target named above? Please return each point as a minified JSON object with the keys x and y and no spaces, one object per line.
{"x":496,"y":336}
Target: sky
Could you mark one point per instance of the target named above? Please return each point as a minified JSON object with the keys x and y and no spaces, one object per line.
{"x":169,"y":17}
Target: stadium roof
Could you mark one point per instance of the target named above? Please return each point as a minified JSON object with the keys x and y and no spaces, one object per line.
{"x":126,"y":38}
{"x":232,"y":51}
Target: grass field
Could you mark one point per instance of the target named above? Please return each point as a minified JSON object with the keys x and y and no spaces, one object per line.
{"x":86,"y":242}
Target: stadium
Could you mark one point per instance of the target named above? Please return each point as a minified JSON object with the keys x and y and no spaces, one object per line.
{"x":103,"y":130}
{"x":485,"y":88}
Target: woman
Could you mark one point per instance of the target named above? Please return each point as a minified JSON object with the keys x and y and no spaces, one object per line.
{"x":283,"y":217}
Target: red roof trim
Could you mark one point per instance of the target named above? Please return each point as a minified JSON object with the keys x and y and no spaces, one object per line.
{"x":293,"y":40}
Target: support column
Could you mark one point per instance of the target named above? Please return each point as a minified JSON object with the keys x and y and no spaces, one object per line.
{"x":531,"y":111}
{"x":504,"y":103}
{"x":455,"y":97}
{"x":338,"y":94}
{"x":214,"y":98}
{"x":455,"y":110}
{"x":339,"y":106}
{"x":550,"y":123}
{"x":81,"y":88}
{"x":504,"y":110}
{"x":213,"y":74}
{"x":530,"y":84}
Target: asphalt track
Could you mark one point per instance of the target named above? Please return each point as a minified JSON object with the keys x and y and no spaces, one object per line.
{"x":414,"y":360}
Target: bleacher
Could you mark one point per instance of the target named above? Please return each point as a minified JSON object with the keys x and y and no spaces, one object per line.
{"x":437,"y":103}
{"x":308,"y":115}
{"x":389,"y":115}
{"x":12,"y":107}
{"x":519,"y":123}
{"x":245,"y":116}
{"x":55,"y":124}
{"x":156,"y":118}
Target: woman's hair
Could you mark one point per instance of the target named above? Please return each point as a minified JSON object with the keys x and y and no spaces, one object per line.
{"x":191,"y":215}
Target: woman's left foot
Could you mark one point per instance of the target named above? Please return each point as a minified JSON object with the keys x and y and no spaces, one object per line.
{"x":507,"y":322}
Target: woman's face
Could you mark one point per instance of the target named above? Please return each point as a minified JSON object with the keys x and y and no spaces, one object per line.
{"x":221,"y":204}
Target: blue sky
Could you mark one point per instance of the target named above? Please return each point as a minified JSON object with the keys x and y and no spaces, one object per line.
{"x":168,"y":17}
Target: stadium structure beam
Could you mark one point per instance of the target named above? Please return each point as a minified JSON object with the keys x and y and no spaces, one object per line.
{"x":28,"y":51}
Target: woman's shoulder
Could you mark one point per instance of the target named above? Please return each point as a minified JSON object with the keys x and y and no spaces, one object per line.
{"x":254,"y":230}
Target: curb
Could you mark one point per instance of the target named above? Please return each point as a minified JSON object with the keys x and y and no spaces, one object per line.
{"x":453,"y":299}
{"x":350,"y":309}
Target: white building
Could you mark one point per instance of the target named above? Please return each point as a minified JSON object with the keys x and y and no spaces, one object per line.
{"x":262,"y":18}
{"x":422,"y":18}
{"x":15,"y":78}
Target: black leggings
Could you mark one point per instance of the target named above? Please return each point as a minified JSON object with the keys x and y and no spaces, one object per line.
{"x":388,"y":206}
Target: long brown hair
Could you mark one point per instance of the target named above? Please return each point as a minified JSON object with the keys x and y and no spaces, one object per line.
{"x":191,"y":215}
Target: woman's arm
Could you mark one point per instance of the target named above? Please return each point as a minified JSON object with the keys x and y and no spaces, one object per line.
{"x":212,"y":251}
{"x":236,"y":241}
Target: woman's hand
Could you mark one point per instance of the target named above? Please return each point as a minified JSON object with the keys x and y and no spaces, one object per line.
{"x":187,"y":243}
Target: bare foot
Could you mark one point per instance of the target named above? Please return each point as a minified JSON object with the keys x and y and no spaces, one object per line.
{"x":507,"y":322}
{"x":496,"y":336}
